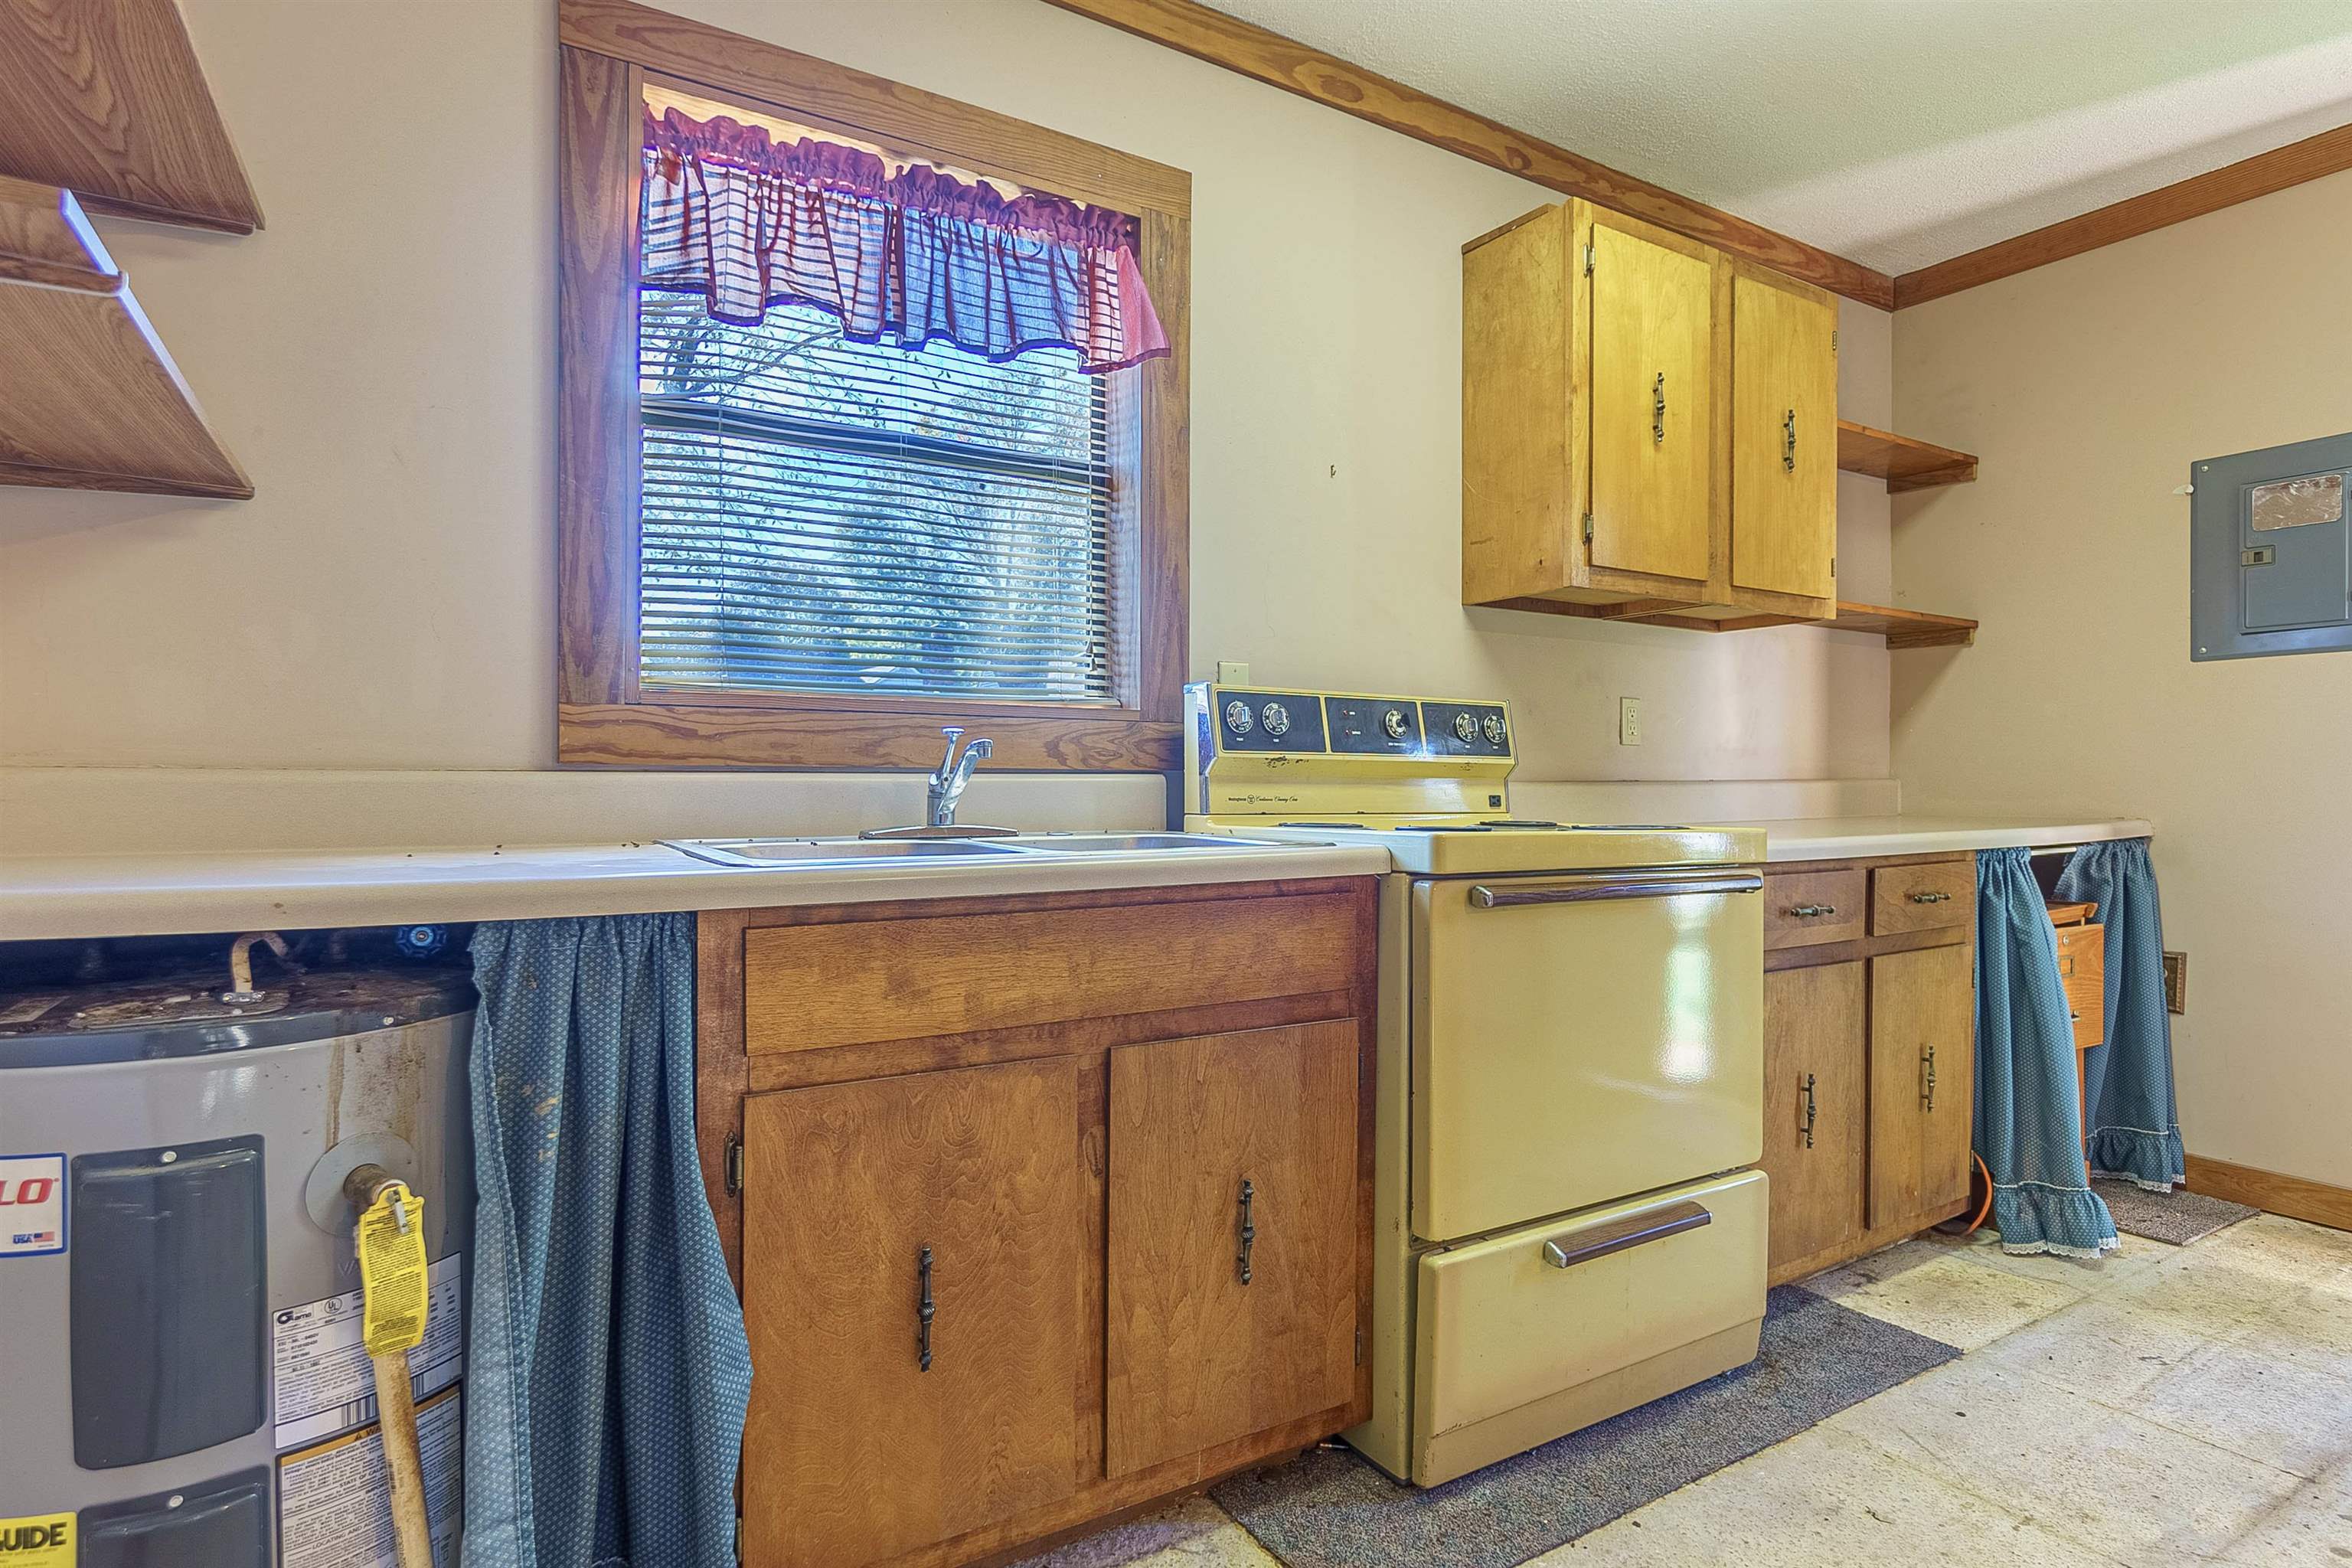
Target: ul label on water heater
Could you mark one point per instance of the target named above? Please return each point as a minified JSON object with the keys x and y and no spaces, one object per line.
{"x":32,"y":1204}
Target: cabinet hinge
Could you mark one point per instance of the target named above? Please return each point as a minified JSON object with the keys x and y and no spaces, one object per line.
{"x":1360,"y":1347}
{"x":1833,"y":340}
{"x":1588,"y":260}
{"x":734,"y":1165}
{"x":1832,"y":565}
{"x":1588,"y":528}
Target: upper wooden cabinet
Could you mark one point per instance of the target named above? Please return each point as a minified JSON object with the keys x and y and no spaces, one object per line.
{"x":1644,"y":420}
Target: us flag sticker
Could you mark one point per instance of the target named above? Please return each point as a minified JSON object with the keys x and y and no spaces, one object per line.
{"x":32,"y":1204}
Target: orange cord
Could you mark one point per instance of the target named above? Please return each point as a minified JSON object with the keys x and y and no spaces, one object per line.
{"x":1983,"y":1210}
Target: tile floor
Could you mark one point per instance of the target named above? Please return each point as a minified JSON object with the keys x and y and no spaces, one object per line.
{"x":2164,"y":1405}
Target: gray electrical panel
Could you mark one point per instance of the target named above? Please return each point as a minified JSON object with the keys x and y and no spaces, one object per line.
{"x":2270,"y":553}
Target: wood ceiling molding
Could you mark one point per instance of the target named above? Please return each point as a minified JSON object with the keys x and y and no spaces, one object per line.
{"x":1267,"y":57}
{"x":2312,"y":158}
{"x":106,"y":99}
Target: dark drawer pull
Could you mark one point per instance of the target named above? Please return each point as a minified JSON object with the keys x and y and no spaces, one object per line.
{"x":1931,"y":898}
{"x":1810,"y":911}
{"x":1811,"y":1111}
{"x":925,"y":1308}
{"x":1249,"y":1229}
{"x":1618,"y":1235}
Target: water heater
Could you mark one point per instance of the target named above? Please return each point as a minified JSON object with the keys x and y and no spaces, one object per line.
{"x":180,"y":1375}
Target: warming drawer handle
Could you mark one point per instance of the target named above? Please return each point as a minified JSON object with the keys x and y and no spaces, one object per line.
{"x":1600,"y":889}
{"x":1617,"y":1235}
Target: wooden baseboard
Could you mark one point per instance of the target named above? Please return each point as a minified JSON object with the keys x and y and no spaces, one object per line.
{"x":2270,"y":1191}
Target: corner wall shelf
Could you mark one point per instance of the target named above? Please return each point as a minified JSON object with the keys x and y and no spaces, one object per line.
{"x":90,"y":398}
{"x":1901,"y":628}
{"x":1905,"y":464}
{"x":107,"y":99}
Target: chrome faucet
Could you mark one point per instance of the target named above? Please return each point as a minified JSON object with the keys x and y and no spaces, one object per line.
{"x":946,"y":787}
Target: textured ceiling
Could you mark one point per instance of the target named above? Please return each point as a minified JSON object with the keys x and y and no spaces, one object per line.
{"x":1896,"y":132}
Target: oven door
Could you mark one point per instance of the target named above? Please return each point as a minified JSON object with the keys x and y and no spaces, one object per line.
{"x":1577,"y":1038}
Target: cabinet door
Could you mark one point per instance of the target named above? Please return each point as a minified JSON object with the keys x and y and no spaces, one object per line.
{"x":1652,"y":401}
{"x":1922,"y":1080}
{"x":1233,"y":1247}
{"x":1814,"y":1114}
{"x":1783,"y":437}
{"x":855,"y":1451}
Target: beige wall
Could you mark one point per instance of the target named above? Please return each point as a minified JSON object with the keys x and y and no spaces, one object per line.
{"x":380,"y":359}
{"x":2087,"y":388}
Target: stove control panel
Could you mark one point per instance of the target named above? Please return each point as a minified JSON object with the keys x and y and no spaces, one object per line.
{"x":1240,"y":719}
{"x":1267,"y":721}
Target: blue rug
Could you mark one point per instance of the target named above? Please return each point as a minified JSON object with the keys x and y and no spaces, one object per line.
{"x":1332,"y":1510}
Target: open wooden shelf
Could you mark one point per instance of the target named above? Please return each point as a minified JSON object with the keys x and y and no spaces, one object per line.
{"x":89,"y":399}
{"x":105,"y":98}
{"x":1905,"y":464}
{"x":1901,"y":628}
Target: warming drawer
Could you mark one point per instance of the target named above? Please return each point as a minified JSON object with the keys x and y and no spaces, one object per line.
{"x":1547,"y":1328}
{"x":1577,"y":1038}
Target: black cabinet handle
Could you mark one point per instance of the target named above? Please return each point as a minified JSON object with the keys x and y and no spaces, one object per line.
{"x":1931,"y":1077}
{"x":926,"y":1308}
{"x":1810,"y":1110}
{"x":1249,"y":1229}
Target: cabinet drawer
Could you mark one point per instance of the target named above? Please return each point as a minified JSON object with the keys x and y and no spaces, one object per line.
{"x":1804,"y":907}
{"x":1489,"y":1335}
{"x":807,"y":987}
{"x":1922,"y":898}
{"x":2083,"y":970}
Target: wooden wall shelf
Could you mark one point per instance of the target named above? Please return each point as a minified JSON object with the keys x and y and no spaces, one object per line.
{"x":106,"y":99}
{"x":1905,"y":464}
{"x":1901,"y":628}
{"x":89,"y":399}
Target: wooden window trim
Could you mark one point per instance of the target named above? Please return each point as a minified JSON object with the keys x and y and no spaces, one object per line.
{"x":610,"y":51}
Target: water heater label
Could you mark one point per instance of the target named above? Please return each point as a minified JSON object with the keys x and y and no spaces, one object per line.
{"x":32,"y":1206}
{"x":334,"y":1501}
{"x":42,"y":1541}
{"x":321,"y":1375}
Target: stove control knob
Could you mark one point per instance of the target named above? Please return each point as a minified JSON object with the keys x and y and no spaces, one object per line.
{"x":1237,"y":718}
{"x":1393,"y":722}
{"x":1494,"y":728}
{"x":1465,"y":728}
{"x":1276,"y":719}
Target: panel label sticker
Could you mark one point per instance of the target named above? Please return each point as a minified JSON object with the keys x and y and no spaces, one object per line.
{"x":320,"y":1374}
{"x":32,"y":1207}
{"x":37,"y":1540}
{"x":334,"y":1501}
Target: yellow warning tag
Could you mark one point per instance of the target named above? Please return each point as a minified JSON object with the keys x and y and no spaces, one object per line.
{"x":391,"y":1273}
{"x":40,"y":1540}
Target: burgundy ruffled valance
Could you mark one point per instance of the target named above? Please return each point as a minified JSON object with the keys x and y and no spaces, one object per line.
{"x":918,"y":256}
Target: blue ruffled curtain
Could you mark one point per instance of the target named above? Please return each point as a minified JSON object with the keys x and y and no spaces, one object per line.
{"x":2028,"y":1117}
{"x":2134,"y":1123}
{"x":609,"y":1371}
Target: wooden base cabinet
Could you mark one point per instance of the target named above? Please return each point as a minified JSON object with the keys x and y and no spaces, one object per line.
{"x":1869,"y":1053}
{"x":1003,"y":1282}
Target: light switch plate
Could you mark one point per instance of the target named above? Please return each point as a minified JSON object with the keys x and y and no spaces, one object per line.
{"x":1629,"y":720}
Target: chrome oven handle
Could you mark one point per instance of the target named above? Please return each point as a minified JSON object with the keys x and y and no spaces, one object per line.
{"x":1602,"y":888}
{"x":1573,"y":1247}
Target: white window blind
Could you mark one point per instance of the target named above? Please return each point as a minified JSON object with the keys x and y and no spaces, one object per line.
{"x":822,"y":516}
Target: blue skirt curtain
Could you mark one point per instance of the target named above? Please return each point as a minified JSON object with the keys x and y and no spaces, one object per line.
{"x":609,"y":1372}
{"x":2028,"y":1126}
{"x":2134,"y":1124}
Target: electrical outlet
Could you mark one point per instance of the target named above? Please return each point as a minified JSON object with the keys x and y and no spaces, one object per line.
{"x":1629,"y":720}
{"x":1231,"y":672}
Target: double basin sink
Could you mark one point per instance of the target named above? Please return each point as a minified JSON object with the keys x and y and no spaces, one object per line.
{"x":777,"y":852}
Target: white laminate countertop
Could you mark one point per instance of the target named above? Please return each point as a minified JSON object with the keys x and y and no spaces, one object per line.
{"x":1851,"y":838}
{"x":160,"y":895}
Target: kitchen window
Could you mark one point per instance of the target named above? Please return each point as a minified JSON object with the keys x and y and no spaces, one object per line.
{"x":809,"y":509}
